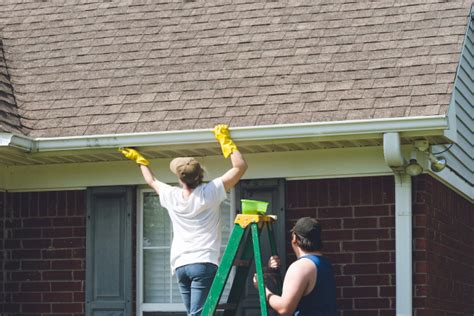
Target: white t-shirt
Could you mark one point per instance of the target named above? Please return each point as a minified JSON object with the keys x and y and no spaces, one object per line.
{"x":196,"y":222}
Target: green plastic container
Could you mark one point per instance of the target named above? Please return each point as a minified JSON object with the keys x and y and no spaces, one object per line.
{"x":254,"y":207}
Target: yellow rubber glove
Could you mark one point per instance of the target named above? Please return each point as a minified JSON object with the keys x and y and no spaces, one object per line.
{"x":222,"y":134}
{"x":134,"y":155}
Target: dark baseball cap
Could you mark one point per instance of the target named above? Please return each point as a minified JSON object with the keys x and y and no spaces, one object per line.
{"x":307,"y":227}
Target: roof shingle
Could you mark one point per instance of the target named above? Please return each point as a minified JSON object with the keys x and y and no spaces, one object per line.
{"x":99,"y":67}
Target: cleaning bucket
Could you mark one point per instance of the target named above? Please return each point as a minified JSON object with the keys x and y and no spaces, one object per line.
{"x":254,"y":207}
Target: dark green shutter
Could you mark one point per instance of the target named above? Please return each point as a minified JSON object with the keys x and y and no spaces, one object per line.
{"x":109,"y":251}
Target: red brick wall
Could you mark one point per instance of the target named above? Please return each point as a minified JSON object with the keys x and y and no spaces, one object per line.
{"x":44,"y":246}
{"x":444,"y":250}
{"x":2,"y":240}
{"x":357,"y":216}
{"x":44,"y":250}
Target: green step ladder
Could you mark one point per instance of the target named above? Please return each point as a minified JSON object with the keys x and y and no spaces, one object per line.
{"x":244,"y":236}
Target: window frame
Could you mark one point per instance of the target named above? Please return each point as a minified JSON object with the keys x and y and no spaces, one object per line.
{"x":142,"y":307}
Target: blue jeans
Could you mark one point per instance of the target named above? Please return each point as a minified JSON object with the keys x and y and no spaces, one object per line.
{"x":194,"y":282}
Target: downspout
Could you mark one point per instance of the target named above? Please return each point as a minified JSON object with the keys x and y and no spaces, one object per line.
{"x":403,"y":224}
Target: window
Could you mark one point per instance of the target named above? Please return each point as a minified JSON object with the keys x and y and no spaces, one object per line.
{"x":157,"y":290}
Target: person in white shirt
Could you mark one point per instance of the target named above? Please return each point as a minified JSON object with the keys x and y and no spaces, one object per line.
{"x":194,"y":209}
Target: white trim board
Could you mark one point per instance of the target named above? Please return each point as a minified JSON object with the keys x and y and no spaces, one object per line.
{"x":292,"y":165}
{"x":455,"y":183}
{"x":324,"y":163}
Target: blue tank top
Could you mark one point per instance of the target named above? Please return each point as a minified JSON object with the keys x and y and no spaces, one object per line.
{"x":321,"y":301}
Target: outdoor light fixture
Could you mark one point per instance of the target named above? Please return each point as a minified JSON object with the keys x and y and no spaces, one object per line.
{"x":413,"y":168}
{"x":437,"y":164}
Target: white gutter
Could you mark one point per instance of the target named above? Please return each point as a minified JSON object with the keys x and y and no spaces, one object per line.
{"x":403,"y":225}
{"x":434,"y":124}
{"x":20,"y":142}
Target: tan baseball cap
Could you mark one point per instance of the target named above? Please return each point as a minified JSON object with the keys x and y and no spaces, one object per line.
{"x":187,"y":169}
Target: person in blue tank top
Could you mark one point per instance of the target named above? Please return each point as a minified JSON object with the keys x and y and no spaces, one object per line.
{"x":309,"y":287}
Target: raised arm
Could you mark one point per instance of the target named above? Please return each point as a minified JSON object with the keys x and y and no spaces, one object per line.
{"x":148,"y":175}
{"x":233,"y":175}
{"x":239,"y":165}
{"x":150,"y":178}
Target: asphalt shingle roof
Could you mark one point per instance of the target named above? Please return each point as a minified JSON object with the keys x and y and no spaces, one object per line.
{"x":97,"y":67}
{"x":9,"y":119}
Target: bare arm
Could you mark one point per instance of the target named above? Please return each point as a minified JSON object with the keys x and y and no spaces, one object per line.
{"x":233,"y":175}
{"x":297,"y":280}
{"x":135,"y":155}
{"x":149,"y":177}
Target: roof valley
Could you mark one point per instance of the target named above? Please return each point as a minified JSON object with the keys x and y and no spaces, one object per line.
{"x":9,"y":116}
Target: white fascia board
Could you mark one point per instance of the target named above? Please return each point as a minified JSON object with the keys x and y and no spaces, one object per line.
{"x":428,"y":124}
{"x":303,"y":164}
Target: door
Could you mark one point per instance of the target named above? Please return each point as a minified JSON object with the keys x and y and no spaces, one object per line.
{"x":272,"y":191}
{"x":108,"y":251}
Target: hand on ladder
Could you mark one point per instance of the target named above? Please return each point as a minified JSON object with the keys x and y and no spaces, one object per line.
{"x":271,"y":275}
{"x":244,"y":236}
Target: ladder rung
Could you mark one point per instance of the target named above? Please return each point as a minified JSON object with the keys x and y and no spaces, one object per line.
{"x":242,"y":263}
